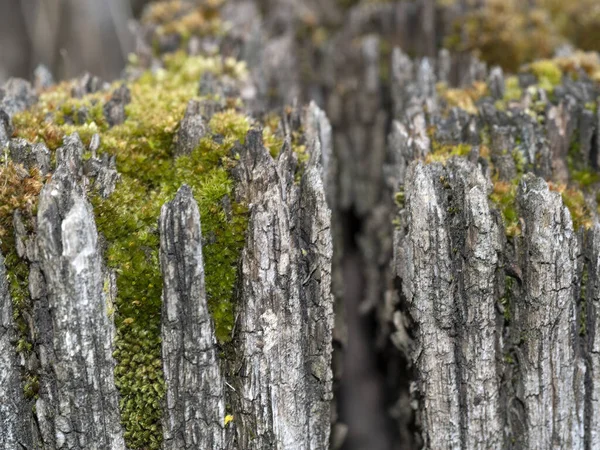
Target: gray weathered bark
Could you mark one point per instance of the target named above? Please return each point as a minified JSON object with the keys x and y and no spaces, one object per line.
{"x":14,"y":409}
{"x":592,"y":402}
{"x":285,"y":320}
{"x":79,"y":405}
{"x":552,"y":364}
{"x":447,"y":263}
{"x":466,"y":312}
{"x":195,"y":403}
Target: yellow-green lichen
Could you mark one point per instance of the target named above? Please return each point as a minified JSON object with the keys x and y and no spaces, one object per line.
{"x":547,"y":72}
{"x":442,"y":152}
{"x":465,"y":98}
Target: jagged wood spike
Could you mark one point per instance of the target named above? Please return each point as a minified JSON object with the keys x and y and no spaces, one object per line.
{"x":285,"y":306}
{"x":15,"y":411}
{"x":552,"y":365}
{"x":79,"y":407}
{"x":194,"y":404}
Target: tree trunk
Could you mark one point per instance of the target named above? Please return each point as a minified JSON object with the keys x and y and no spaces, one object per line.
{"x":411,"y":264}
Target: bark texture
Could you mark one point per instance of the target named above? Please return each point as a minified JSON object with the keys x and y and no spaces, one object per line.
{"x":434,"y":221}
{"x":591,"y":420}
{"x":277,"y":369}
{"x":553,"y":369}
{"x":447,"y":263}
{"x":14,"y":413}
{"x":79,"y":404}
{"x":286,"y":318}
{"x":494,"y":305}
{"x":195,"y":403}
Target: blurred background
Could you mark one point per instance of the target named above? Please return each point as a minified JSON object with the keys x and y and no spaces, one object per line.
{"x":67,"y":36}
{"x":74,"y":36}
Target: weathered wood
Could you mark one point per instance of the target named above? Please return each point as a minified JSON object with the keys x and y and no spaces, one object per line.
{"x":285,"y":313}
{"x":15,"y":415}
{"x":194,"y":401}
{"x":79,"y":408}
{"x":448,"y":213}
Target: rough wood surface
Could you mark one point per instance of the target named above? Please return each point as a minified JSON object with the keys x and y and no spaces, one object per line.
{"x":433,"y":221}
{"x":14,"y":415}
{"x":195,"y":403}
{"x":552,"y":365}
{"x":286,"y":318}
{"x":82,"y":403}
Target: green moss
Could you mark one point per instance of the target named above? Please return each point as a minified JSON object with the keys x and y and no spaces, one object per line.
{"x":31,"y":387}
{"x":591,"y":106}
{"x":504,"y":197}
{"x":128,"y":219}
{"x":585,"y":177}
{"x":183,"y":19}
{"x":581,"y":174}
{"x":399,"y":198}
{"x":272,"y":134}
{"x":299,"y":148}
{"x":464,"y":98}
{"x":19,"y":190}
{"x":512,"y":89}
{"x":507,"y":33}
{"x":520,"y":161}
{"x":578,"y":21}
{"x":574,"y":200}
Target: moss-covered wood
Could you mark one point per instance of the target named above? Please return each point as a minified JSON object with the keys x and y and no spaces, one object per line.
{"x":465,"y":240}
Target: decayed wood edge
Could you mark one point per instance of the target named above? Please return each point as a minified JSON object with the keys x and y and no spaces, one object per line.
{"x":592,"y":323}
{"x":283,"y":388}
{"x":448,"y":262}
{"x":62,"y":264}
{"x":552,"y":364}
{"x":194,"y":408}
{"x":15,"y":411}
{"x":78,"y":405}
{"x":451,"y":298}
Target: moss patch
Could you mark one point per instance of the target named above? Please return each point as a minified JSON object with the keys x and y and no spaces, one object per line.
{"x":512,"y":89}
{"x":177,"y":21}
{"x":547,"y":72}
{"x":465,"y":98}
{"x":128,"y":219}
{"x":574,"y":199}
{"x":504,"y":197}
{"x":442,"y":152}
{"x":19,"y":190}
{"x":507,"y":33}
